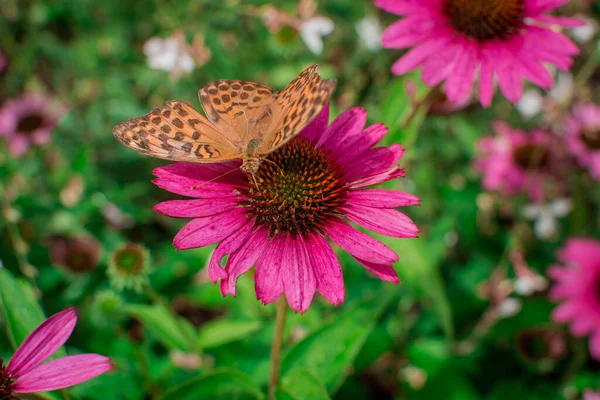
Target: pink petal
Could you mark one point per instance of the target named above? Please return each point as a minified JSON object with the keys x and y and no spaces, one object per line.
{"x":299,"y":280}
{"x":385,"y":221}
{"x":196,"y":208}
{"x":267,"y":276}
{"x":565,"y":312}
{"x":407,"y":32}
{"x":367,"y":139}
{"x":201,"y":232}
{"x":244,"y":258}
{"x":486,"y":79}
{"x":64,"y":372}
{"x":359,"y":244}
{"x":327,"y":269}
{"x":346,"y":127}
{"x":181,"y":178}
{"x":227,"y":246}
{"x":317,"y":127}
{"x":383,"y":271}
{"x":460,"y":82}
{"x":560,"y":21}
{"x":595,"y":346}
{"x":43,"y":342}
{"x":374,"y":161}
{"x":415,"y":57}
{"x":382,"y":198}
{"x":374,"y":179}
{"x":536,"y":7}
{"x":509,"y":78}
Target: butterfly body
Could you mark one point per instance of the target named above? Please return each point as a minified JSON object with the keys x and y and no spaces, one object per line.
{"x":244,"y":120}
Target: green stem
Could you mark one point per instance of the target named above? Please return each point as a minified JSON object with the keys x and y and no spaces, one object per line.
{"x":276,"y":346}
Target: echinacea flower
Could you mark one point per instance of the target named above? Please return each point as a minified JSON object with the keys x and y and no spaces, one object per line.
{"x":76,"y":254}
{"x":458,"y":40}
{"x":576,"y":288}
{"x":583,"y":136}
{"x":25,"y":372}
{"x":307,"y":190}
{"x":514,"y":161}
{"x":28,"y":120}
{"x":129,"y":266}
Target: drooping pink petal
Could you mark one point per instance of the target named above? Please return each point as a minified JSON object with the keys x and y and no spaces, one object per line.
{"x":560,"y":21}
{"x":201,"y":232}
{"x":383,"y":271}
{"x":382,"y":198}
{"x":459,"y":83}
{"x":44,"y":341}
{"x":374,"y":179}
{"x":536,"y":7}
{"x":227,"y":246}
{"x":244,"y":258}
{"x":385,"y":221}
{"x":358,"y":244}
{"x":486,"y":78}
{"x":327,"y":269}
{"x":267,"y":277}
{"x":196,"y":208}
{"x":415,"y":57}
{"x":64,"y":372}
{"x":407,"y":32}
{"x":299,"y":280}
{"x":195,"y":180}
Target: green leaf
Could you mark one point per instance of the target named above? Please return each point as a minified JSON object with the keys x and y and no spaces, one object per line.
{"x":223,"y":384}
{"x":302,"y":384}
{"x":330,"y":351}
{"x":173,"y":332}
{"x":220,"y":332}
{"x":21,"y":310}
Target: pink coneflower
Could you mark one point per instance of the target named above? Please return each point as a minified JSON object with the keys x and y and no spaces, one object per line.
{"x":457,"y":40}
{"x":576,"y":287}
{"x":307,"y":190}
{"x":583,"y":136}
{"x":514,"y":161}
{"x":27,"y":120}
{"x":25,"y":373}
{"x":591,"y":395}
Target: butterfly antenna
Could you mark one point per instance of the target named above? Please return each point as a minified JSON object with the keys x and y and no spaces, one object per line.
{"x":213,"y":179}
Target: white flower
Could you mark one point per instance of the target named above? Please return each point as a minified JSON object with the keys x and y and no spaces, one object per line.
{"x":313,"y":30}
{"x":528,"y":285}
{"x":369,"y":32}
{"x":509,"y":307}
{"x":168,"y":55}
{"x":585,"y":33}
{"x":546,"y":215}
{"x":531,"y":103}
{"x":562,"y":92}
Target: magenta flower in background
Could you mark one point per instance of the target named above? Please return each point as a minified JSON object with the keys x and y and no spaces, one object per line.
{"x":583,"y":136}
{"x":514,"y":161}
{"x":309,"y":190}
{"x":591,"y":395}
{"x":28,"y":120}
{"x":458,"y":40}
{"x":25,"y":372}
{"x":576,"y":288}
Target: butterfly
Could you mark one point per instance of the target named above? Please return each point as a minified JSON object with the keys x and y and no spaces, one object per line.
{"x":244,"y":120}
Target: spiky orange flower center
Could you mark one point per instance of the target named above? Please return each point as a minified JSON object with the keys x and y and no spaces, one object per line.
{"x":591,"y":138}
{"x":296,"y":189}
{"x":30,"y":123}
{"x":6,"y":383}
{"x":486,"y":19}
{"x":532,"y":156}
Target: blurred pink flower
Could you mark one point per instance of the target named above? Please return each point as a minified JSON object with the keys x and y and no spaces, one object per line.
{"x":576,"y":287}
{"x":514,"y":161}
{"x":306,"y":191}
{"x":591,"y":395}
{"x":24,"y":374}
{"x":28,"y":120}
{"x":583,"y":136}
{"x":457,"y":40}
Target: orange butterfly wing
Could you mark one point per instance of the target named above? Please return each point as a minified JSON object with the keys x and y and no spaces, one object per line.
{"x":177,"y":132}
